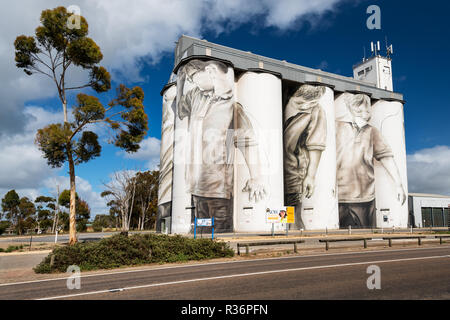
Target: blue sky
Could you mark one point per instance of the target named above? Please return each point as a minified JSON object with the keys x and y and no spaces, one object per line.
{"x":331,"y":38}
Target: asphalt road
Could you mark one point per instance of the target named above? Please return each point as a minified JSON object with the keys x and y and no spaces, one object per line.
{"x":94,"y":236}
{"x":419,"y":273}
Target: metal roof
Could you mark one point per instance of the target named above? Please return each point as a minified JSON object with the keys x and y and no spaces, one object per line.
{"x":191,"y":48}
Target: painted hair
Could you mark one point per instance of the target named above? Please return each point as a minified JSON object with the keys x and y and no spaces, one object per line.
{"x":357,"y":99}
{"x":309,"y":92}
{"x":194,"y":66}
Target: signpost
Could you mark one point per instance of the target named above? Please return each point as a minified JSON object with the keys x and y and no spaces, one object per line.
{"x":282,"y":215}
{"x":209,"y":222}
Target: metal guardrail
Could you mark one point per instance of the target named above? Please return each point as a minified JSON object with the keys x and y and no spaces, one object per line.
{"x":442,"y":236}
{"x":247,"y":245}
{"x":419,"y":239}
{"x":327,"y":241}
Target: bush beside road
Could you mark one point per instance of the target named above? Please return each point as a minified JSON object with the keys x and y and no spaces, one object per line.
{"x":118,"y":251}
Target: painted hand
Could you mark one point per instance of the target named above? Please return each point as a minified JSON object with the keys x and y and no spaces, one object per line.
{"x":401,"y":196}
{"x":256,"y":190}
{"x":308,"y":186}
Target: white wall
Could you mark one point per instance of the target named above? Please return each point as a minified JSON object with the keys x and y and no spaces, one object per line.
{"x":261,"y":97}
{"x":387,"y":117}
{"x":322,"y":208}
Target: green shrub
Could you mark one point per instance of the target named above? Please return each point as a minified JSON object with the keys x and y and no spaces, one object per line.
{"x":120,"y":250}
{"x":13,"y":248}
{"x":3,"y":226}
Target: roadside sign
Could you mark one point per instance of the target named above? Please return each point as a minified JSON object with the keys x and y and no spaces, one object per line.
{"x":290,"y":214}
{"x":272,"y":216}
{"x":208,"y":222}
{"x":204,"y":222}
{"x":280,"y":215}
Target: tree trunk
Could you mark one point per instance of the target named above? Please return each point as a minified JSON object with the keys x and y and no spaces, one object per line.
{"x":72,"y":219}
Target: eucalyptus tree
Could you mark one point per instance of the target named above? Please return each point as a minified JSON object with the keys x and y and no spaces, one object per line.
{"x":57,"y":46}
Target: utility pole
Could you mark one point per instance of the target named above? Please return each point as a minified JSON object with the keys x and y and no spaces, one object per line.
{"x":56,"y":218}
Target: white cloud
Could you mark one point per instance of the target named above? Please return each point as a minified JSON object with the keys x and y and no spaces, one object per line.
{"x":84,"y":190}
{"x":130,"y":33}
{"x":429,"y":170}
{"x":149,"y":151}
{"x":22,"y":165}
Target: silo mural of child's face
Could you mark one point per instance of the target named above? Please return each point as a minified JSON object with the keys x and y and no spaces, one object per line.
{"x":359,"y":107}
{"x":205,"y":78}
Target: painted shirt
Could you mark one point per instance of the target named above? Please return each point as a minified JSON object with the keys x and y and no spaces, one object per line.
{"x":304,"y":131}
{"x":356,"y":149}
{"x":213,"y":119}
{"x":166,"y":156}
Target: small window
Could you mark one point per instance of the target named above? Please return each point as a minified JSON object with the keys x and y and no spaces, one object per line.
{"x":360,"y":73}
{"x":387,"y":70}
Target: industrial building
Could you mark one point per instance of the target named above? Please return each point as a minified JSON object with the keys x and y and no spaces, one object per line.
{"x":429,"y":210}
{"x":243,"y":134}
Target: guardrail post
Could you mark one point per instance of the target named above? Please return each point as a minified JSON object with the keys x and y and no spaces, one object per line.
{"x":326,"y":245}
{"x":390,"y":242}
{"x":295,"y":247}
{"x":440,"y":240}
{"x":239,"y":252}
{"x":419,"y":241}
{"x":349,"y":229}
{"x":365,"y":243}
{"x":247,"y":250}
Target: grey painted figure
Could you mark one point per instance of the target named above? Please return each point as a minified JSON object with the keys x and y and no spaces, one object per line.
{"x":357,"y":145}
{"x":166,"y":156}
{"x":216,"y":125}
{"x":305,"y":132}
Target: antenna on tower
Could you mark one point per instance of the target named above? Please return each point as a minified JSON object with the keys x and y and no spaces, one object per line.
{"x":389,"y":49}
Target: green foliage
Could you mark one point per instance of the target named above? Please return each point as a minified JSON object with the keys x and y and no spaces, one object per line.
{"x":146,"y":198}
{"x":64,"y":198}
{"x":20,"y":212}
{"x":53,"y":141}
{"x":45,"y":211}
{"x":88,"y":108}
{"x":102,"y":221}
{"x":100,"y":79}
{"x":13,"y":248}
{"x":10,"y":204}
{"x":82,"y":211}
{"x":63,"y":46}
{"x":25,"y":218}
{"x":120,"y":250}
{"x":87,"y":147}
{"x":136,"y":121}
{"x":3,"y":226}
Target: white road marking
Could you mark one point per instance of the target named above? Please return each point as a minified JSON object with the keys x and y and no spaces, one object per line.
{"x":243,"y":275}
{"x":222,"y":262}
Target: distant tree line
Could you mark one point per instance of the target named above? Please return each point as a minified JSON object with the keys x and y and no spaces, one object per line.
{"x":43,"y":215}
{"x":132,"y":201}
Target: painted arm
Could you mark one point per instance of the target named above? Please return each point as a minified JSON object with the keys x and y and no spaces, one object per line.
{"x":390,"y":166}
{"x":254,"y":186}
{"x":247,"y":143}
{"x":309,"y":182}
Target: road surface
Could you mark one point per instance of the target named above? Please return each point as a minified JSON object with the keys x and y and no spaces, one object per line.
{"x":418,"y":273}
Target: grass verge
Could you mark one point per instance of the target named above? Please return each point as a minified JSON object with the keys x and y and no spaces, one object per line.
{"x":137,"y":249}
